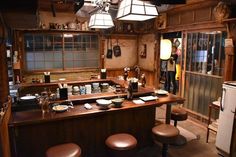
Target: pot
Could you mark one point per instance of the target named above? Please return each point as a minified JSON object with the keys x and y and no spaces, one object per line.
{"x":71,"y":25}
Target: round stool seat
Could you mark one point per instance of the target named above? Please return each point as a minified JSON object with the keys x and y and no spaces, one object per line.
{"x":121,"y":141}
{"x":64,"y":150}
{"x":179,"y":114}
{"x":165,"y":133}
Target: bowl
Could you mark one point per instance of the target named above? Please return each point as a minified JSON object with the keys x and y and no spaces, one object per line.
{"x":117,"y":102}
{"x":103,"y":103}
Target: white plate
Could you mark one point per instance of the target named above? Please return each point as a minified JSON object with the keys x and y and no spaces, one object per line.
{"x":148,"y":98}
{"x":138,"y":101}
{"x":161,"y":92}
{"x":60,"y":108}
{"x":28,"y":97}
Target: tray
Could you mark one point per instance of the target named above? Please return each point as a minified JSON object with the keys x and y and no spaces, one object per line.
{"x":148,"y":98}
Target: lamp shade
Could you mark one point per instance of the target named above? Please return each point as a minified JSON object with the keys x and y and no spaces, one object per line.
{"x":101,"y":20}
{"x":165,"y":49}
{"x":136,"y":10}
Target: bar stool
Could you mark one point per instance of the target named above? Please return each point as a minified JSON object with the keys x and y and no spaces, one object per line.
{"x":165,"y":134}
{"x":179,"y":114}
{"x":121,"y":145}
{"x":64,"y":150}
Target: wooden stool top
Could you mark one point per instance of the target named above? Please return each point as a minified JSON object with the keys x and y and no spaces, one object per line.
{"x":121,"y":141}
{"x":179,"y":114}
{"x":165,"y":133}
{"x":64,"y":150}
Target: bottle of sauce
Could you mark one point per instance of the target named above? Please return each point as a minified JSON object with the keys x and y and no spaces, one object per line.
{"x":143,"y":80}
{"x":125,"y":75}
{"x":130,"y":92}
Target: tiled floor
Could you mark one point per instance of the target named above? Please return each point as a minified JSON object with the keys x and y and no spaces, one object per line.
{"x":194,"y":148}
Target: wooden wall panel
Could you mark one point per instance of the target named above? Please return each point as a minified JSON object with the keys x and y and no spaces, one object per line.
{"x":173,"y":19}
{"x":187,"y":17}
{"x":197,"y":15}
{"x":89,"y":132}
{"x":203,"y":14}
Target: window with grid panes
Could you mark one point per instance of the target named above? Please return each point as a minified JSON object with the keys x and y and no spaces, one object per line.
{"x":205,"y":52}
{"x":60,"y":51}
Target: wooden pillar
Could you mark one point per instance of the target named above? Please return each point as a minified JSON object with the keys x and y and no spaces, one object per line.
{"x":229,"y":64}
{"x":4,"y":88}
{"x":102,"y":53}
{"x":230,"y":53}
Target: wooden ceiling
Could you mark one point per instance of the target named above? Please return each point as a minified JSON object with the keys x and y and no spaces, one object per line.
{"x":57,"y":5}
{"x":41,"y":5}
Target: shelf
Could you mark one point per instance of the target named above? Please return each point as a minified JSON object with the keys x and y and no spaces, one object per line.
{"x":58,"y":31}
{"x":229,"y":20}
{"x":212,"y":127}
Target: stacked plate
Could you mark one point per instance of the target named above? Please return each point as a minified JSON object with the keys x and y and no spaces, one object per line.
{"x":161,"y":92}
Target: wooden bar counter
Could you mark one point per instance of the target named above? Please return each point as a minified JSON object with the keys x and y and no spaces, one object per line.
{"x":32,"y":133}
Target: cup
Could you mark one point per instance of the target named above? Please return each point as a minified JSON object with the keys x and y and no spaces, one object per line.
{"x":47,"y":78}
{"x":44,"y":104}
{"x":88,"y":89}
{"x":103,"y":74}
{"x":63,"y":92}
{"x":135,"y":86}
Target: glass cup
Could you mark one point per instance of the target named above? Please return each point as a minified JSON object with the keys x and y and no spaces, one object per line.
{"x":44,"y":104}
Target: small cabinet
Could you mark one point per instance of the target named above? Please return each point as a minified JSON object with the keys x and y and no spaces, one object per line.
{"x":10,"y":69}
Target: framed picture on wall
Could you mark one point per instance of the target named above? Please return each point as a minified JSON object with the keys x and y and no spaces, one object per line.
{"x":161,"y":21}
{"x":143,"y":53}
{"x":128,"y":27}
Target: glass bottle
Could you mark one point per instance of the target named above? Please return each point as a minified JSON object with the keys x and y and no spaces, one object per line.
{"x":130,"y":91}
{"x":143,"y":80}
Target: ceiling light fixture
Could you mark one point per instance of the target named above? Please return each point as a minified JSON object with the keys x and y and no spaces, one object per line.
{"x":136,"y":10}
{"x":101,"y":19}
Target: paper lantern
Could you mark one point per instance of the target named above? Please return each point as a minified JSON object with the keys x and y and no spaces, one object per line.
{"x":165,"y":49}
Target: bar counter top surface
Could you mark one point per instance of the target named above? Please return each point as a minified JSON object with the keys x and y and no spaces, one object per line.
{"x":87,"y":128}
{"x":36,"y":116}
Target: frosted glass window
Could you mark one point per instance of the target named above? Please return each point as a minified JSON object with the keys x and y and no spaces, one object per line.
{"x":30,"y":65}
{"x":49,"y":56}
{"x":30,"y":56}
{"x":58,"y":51}
{"x":68,"y":64}
{"x":92,"y":63}
{"x":58,"y":65}
{"x":58,"y":56}
{"x":68,"y":56}
{"x":39,"y":65}
{"x":49,"y":65}
{"x":39,"y":56}
{"x":205,"y":52}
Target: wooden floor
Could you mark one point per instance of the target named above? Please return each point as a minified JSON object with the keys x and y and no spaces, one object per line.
{"x":194,"y":148}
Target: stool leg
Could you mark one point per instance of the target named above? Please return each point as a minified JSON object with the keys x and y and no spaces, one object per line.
{"x":175,"y":123}
{"x":164,"y":150}
{"x":207,"y":135}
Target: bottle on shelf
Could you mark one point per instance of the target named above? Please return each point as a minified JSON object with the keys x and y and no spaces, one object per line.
{"x":126,"y":73}
{"x":143,"y":80}
{"x":130,"y":91}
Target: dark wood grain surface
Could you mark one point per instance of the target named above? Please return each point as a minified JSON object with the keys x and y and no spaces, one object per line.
{"x":32,"y":131}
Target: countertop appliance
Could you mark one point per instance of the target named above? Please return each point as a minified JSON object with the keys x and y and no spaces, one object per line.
{"x":226,"y":118}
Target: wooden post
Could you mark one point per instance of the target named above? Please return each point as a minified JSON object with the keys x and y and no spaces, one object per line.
{"x":229,"y":63}
{"x":4,"y":90}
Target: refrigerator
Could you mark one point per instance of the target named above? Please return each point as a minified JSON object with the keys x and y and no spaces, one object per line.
{"x":226,"y":118}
